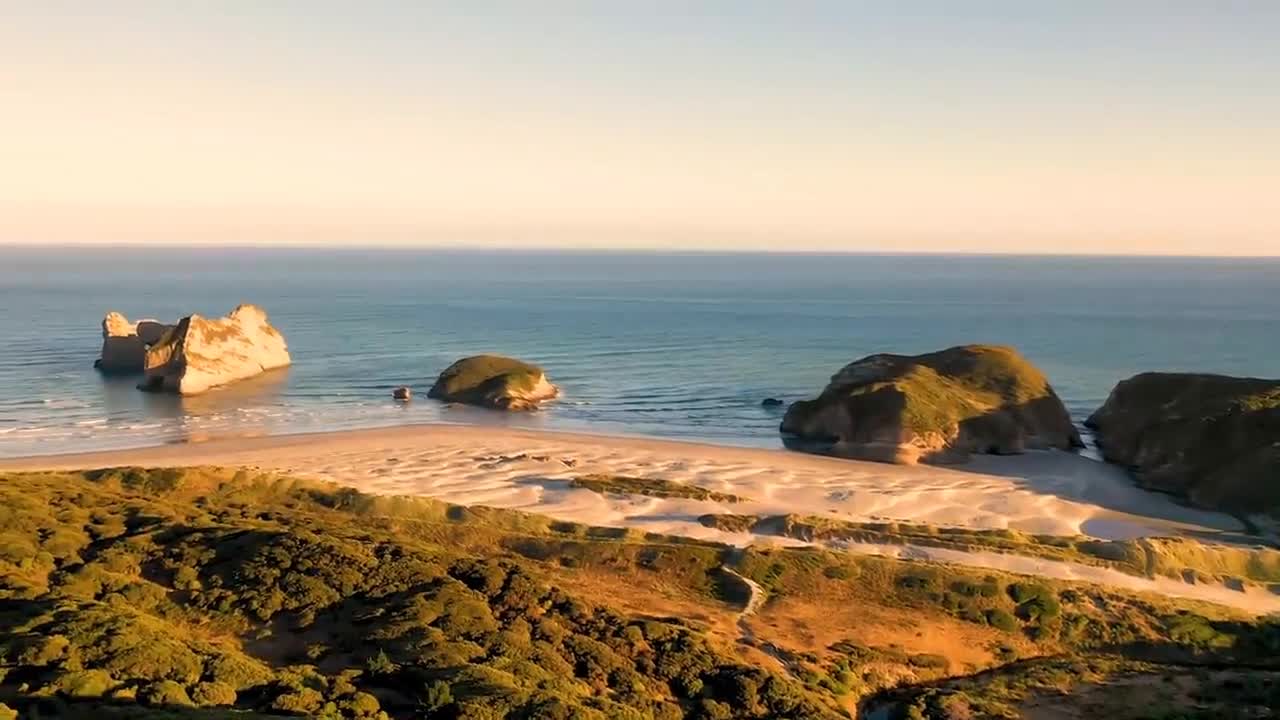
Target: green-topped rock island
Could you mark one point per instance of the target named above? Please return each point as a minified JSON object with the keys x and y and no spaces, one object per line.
{"x":935,"y":408}
{"x":494,"y":381}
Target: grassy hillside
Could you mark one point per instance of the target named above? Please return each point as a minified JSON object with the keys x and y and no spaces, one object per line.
{"x":212,"y":593}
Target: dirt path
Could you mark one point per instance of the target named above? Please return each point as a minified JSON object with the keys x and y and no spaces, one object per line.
{"x":756,"y":598}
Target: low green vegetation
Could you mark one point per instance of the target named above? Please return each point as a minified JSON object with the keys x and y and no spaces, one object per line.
{"x":1181,"y":558}
{"x":1090,"y":688}
{"x":214,"y":593}
{"x":1014,"y":618}
{"x":185,"y":588}
{"x":623,"y":485}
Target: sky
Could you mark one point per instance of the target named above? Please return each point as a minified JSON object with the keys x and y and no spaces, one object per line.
{"x":1077,"y":126}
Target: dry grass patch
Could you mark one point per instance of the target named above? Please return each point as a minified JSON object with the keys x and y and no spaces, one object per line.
{"x":624,"y":485}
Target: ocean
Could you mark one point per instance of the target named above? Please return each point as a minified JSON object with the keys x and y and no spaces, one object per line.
{"x":673,"y":345}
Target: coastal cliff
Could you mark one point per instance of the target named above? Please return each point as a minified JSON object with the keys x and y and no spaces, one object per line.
{"x":1212,"y":439}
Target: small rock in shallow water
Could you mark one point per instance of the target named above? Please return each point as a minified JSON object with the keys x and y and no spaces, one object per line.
{"x":402,"y":393}
{"x":771,"y":402}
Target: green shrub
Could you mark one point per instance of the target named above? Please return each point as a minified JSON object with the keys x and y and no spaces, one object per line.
{"x":929,"y":661}
{"x":1036,"y":602}
{"x":207,"y":694}
{"x":43,"y":650}
{"x":1021,"y":592}
{"x":165,"y":693}
{"x":1039,"y":609}
{"x":304,"y":701}
{"x":363,"y":705}
{"x":919,"y":580}
{"x":85,"y":683}
{"x":1196,"y":630}
{"x":437,"y":695}
{"x":1001,"y":620}
{"x":1006,"y":653}
{"x":840,"y":572}
{"x":237,"y":671}
{"x":381,"y":664}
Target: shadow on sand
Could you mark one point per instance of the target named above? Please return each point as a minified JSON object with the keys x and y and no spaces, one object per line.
{"x":1129,"y":510}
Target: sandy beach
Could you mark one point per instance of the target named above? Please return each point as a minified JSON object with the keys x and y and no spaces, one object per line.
{"x":1042,"y":492}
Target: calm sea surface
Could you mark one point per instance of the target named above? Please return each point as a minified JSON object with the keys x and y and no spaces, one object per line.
{"x":670,"y":345}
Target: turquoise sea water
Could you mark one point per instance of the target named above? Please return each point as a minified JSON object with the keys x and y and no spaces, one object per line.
{"x":671,"y":345}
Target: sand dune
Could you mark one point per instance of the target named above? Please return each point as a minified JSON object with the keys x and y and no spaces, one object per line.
{"x":1043,"y":492}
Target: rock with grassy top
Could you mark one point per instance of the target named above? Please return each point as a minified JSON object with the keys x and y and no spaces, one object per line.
{"x":200,"y":353}
{"x":936,"y":408}
{"x":493,"y":381}
{"x":1212,"y":439}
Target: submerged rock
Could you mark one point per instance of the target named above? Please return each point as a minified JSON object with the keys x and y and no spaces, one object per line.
{"x":124,"y":344}
{"x":1212,"y":439}
{"x":494,"y":381}
{"x":199,"y":353}
{"x":936,"y":408}
{"x":770,"y":402}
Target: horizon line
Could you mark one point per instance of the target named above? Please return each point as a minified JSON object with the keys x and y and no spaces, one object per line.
{"x":637,"y":249}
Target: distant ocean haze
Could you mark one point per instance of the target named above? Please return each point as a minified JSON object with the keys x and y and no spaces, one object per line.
{"x":672,"y":345}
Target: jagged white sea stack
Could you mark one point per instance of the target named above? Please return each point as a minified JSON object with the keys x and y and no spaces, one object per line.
{"x":199,"y":353}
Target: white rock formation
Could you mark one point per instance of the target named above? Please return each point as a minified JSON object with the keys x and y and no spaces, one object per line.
{"x":200,"y":353}
{"x":124,"y":344}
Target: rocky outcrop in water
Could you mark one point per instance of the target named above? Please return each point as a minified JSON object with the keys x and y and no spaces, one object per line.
{"x":1212,"y":439}
{"x":493,"y":381}
{"x":124,"y":344}
{"x":936,"y":408}
{"x":201,"y":353}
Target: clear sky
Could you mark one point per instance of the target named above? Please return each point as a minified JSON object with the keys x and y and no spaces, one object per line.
{"x":1120,"y":126}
